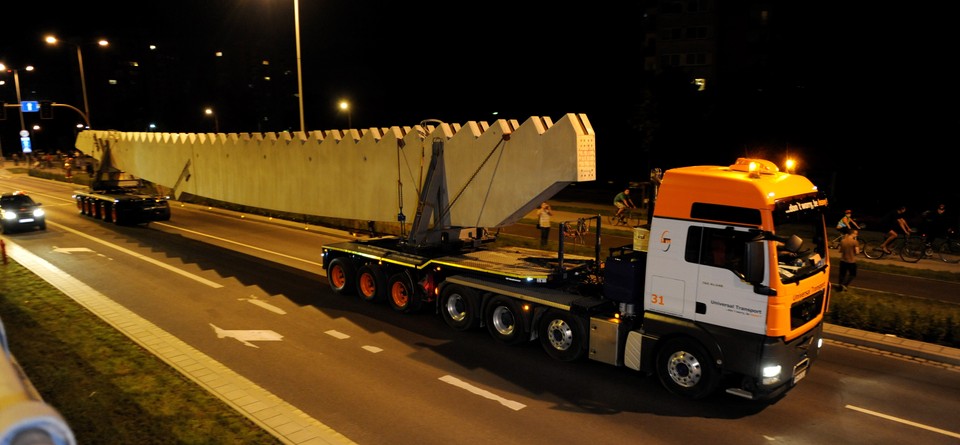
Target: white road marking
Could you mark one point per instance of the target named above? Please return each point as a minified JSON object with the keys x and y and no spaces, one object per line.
{"x":904,"y":421}
{"x":337,"y":334}
{"x":372,"y":349}
{"x":70,"y":250}
{"x":253,"y":300}
{"x":516,"y":406}
{"x":239,"y":244}
{"x":189,"y":275}
{"x":247,"y":336}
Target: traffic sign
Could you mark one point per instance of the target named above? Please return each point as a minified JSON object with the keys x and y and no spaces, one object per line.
{"x":25,"y":144}
{"x":30,"y":106}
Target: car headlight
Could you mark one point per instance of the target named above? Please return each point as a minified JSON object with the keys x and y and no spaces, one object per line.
{"x":9,"y":215}
{"x":38,"y":213}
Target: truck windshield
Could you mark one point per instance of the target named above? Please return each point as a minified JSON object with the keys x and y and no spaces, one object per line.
{"x":801,"y":246}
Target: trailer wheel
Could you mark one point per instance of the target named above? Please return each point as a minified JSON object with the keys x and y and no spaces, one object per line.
{"x":401,"y":293}
{"x":342,"y":274}
{"x":106,"y":212}
{"x":459,"y":307}
{"x":504,"y":320}
{"x":563,"y":336}
{"x":686,"y":369}
{"x":371,"y":283}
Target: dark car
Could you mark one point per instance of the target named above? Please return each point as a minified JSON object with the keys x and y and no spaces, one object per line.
{"x":18,"y":211}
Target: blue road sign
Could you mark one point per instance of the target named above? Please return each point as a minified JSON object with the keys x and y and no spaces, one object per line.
{"x":25,"y":144}
{"x":29,"y":106}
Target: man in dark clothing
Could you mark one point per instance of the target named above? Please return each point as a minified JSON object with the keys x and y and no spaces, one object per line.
{"x":893,"y":222}
{"x":849,"y":249}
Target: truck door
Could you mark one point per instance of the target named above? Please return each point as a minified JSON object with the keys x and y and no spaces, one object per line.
{"x":723,"y":298}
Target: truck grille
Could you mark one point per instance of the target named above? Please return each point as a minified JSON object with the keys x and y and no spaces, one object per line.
{"x":807,"y":309}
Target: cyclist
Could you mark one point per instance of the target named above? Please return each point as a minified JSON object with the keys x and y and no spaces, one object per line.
{"x":622,"y":201}
{"x":893,"y":222}
{"x":846,"y":223}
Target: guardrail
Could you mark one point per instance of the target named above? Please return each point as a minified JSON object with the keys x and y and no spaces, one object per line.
{"x":24,"y":417}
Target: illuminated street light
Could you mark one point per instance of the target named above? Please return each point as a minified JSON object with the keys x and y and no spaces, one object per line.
{"x":216,"y":122}
{"x":345,"y":106}
{"x":52,"y":40}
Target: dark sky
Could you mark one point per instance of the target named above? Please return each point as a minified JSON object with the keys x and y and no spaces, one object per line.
{"x":865,"y":94}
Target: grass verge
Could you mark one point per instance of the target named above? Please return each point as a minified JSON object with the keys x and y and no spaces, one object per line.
{"x":108,"y":388}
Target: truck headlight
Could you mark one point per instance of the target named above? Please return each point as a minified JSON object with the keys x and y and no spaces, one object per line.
{"x":770,"y":374}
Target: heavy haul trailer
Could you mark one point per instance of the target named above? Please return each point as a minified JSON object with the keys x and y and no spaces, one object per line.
{"x":122,"y":202}
{"x":730,"y":291}
{"x":116,"y":197}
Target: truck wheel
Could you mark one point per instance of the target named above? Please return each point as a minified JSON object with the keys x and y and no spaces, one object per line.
{"x":342,"y":274}
{"x":686,"y":369}
{"x":401,"y":293}
{"x":563,"y":336}
{"x":459,"y":307}
{"x":371,"y":283}
{"x":504,"y":320}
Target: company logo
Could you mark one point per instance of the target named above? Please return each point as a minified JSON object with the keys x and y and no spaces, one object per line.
{"x":665,"y":241}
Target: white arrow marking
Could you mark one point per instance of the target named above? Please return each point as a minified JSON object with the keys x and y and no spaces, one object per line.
{"x":69,"y":250}
{"x":246,"y":336}
{"x":516,"y":406}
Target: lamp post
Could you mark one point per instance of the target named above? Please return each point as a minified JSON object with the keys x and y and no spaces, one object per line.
{"x":345,"y":106}
{"x":16,"y":85}
{"x":52,"y":40}
{"x":216,"y":122}
{"x":296,"y":27}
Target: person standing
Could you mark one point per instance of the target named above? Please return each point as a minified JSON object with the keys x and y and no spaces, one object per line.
{"x":543,"y":223}
{"x":849,"y":249}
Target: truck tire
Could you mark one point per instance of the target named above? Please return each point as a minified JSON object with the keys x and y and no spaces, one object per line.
{"x":342,"y":275}
{"x":371,"y":283}
{"x":563,"y":336}
{"x":115,"y":215}
{"x":504,"y":320}
{"x":460,"y":307}
{"x":401,"y":293}
{"x":106,"y":212}
{"x":686,"y":369}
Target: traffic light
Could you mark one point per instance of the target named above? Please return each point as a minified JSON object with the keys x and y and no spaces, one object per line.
{"x":46,"y":109}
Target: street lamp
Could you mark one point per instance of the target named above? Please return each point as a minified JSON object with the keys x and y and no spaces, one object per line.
{"x":345,"y":106}
{"x":52,"y":40}
{"x":216,"y":122}
{"x":16,"y":84}
{"x":296,"y":28}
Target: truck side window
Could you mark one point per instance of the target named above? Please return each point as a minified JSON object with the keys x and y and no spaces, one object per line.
{"x":715,"y":247}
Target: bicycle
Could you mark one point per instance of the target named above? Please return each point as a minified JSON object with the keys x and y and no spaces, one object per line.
{"x":624,"y":219}
{"x":835,"y":242}
{"x":911,"y":248}
{"x":576,"y":231}
{"x":949,"y":248}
